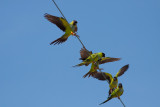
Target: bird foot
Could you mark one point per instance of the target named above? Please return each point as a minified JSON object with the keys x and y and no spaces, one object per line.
{"x":74,"y":34}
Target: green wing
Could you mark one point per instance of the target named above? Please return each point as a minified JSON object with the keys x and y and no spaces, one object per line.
{"x":116,"y":93}
{"x":122,"y":70}
{"x":108,"y":59}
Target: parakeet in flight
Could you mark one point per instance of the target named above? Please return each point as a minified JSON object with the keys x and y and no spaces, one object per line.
{"x":93,"y":58}
{"x":88,"y":57}
{"x":113,"y":81}
{"x":69,"y":29}
{"x":116,"y":93}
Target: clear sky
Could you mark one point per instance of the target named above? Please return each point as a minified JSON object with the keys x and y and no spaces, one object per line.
{"x":35,"y":74}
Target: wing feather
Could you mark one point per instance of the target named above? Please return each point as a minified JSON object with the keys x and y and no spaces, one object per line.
{"x":84,"y":53}
{"x":122,"y":70}
{"x":58,"y":21}
{"x":103,"y":76}
{"x":108,"y":59}
{"x":60,"y":40}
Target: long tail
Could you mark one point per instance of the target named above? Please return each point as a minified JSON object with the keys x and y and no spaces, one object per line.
{"x":83,"y":63}
{"x":105,"y":101}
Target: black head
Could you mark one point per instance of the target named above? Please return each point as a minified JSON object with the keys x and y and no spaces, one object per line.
{"x":103,"y":54}
{"x":75,"y":22}
{"x":115,"y":78}
{"x":120,"y":85}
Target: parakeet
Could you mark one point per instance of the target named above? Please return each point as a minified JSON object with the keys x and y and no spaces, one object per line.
{"x":88,"y":57}
{"x":113,"y":81}
{"x":116,"y":93}
{"x":93,"y":58}
{"x":69,"y":29}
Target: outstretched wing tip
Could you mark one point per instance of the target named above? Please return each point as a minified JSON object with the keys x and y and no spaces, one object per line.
{"x":122,"y":70}
{"x":127,"y":66}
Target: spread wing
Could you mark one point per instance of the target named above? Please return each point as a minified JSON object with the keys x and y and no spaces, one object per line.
{"x":122,"y":70}
{"x":60,"y":40}
{"x":103,"y":76}
{"x":84,"y":53}
{"x":108,"y":59}
{"x":58,"y":21}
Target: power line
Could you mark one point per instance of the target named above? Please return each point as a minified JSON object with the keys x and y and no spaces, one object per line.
{"x":59,"y":10}
{"x":121,"y":101}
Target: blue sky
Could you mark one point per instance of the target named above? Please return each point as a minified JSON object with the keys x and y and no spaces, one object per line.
{"x":35,"y":74}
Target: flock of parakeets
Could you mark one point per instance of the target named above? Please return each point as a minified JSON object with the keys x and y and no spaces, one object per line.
{"x":87,"y":57}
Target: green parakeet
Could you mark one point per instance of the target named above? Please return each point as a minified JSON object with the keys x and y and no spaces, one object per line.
{"x":88,"y":57}
{"x":69,"y":29}
{"x":116,"y":93}
{"x":93,"y":58}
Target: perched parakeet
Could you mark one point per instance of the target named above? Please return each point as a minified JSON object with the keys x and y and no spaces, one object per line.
{"x":113,"y":81}
{"x":88,"y":57}
{"x":116,"y":93}
{"x":69,"y":29}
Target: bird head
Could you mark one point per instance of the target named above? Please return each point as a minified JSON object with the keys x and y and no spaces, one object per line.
{"x":120,"y":85}
{"x":103,"y":54}
{"x":115,"y":78}
{"x":75,"y":22}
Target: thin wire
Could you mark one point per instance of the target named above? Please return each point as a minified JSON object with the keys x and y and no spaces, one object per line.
{"x":82,"y":43}
{"x":60,"y":10}
{"x":122,"y":102}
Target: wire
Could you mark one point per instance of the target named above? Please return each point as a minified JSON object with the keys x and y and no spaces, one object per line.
{"x":59,"y":10}
{"x":122,"y":102}
{"x":83,"y":45}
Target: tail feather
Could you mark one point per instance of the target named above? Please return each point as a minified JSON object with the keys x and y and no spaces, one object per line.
{"x":105,"y":101}
{"x":83,"y":63}
{"x":78,"y":65}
